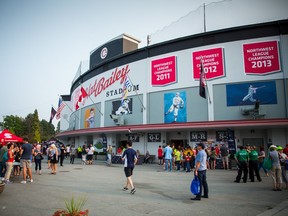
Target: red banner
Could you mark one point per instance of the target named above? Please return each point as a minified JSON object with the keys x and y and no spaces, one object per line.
{"x":163,"y":71}
{"x":261,"y":58}
{"x":212,"y":60}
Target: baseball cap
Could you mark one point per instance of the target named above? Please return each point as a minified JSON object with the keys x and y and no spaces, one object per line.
{"x":279,"y":148}
{"x":273,"y":146}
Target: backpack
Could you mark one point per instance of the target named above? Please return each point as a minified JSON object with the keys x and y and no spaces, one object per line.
{"x":5,"y":156}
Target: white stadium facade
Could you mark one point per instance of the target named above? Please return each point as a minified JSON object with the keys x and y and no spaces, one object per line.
{"x":245,"y":66}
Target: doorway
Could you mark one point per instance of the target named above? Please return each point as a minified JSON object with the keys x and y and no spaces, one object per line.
{"x":179,"y":144}
{"x":258,"y":142}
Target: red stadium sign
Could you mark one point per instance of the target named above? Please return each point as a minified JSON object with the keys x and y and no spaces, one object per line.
{"x":261,"y":58}
{"x":212,"y":60}
{"x":163,"y":71}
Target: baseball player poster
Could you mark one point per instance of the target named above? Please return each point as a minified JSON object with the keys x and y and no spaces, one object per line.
{"x":249,"y":93}
{"x":175,"y":107}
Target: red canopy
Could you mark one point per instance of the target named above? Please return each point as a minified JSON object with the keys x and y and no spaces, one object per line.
{"x":7,"y":136}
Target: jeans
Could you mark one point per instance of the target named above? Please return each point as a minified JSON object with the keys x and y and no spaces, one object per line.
{"x":261,"y":166}
{"x":2,"y":169}
{"x":37,"y":163}
{"x":203,"y":183}
{"x":178,"y":164}
{"x":187,"y":166}
{"x":166,"y":164}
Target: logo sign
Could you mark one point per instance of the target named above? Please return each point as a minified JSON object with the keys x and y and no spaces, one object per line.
{"x":261,"y":58}
{"x":8,"y":135}
{"x":133,"y":137}
{"x":221,"y":136}
{"x":104,"y":53}
{"x":212,"y":60}
{"x":154,"y":137}
{"x":163,"y":71}
{"x":197,"y":136}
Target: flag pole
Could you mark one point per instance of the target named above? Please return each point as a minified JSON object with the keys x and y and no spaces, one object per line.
{"x":92,"y":101}
{"x":60,"y":114}
{"x":68,"y":107}
{"x":207,"y":87}
{"x":136,"y":93}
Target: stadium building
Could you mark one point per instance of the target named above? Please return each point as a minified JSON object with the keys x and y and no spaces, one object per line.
{"x":157,"y":94}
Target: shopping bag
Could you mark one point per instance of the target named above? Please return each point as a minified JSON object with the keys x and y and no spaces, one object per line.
{"x":195,"y":186}
{"x":267,"y":163}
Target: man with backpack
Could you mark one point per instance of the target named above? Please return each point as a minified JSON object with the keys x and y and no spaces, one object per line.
{"x":224,"y":156}
{"x":3,"y":159}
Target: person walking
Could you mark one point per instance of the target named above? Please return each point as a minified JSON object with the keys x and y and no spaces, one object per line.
{"x":54,"y":159}
{"x":261,"y":157}
{"x":160,"y":155}
{"x":130,"y":159}
{"x":168,"y":157}
{"x":283,"y":162}
{"x":26,"y":152}
{"x":224,"y":152}
{"x":73,"y":152}
{"x":276,"y":168}
{"x":200,"y":171}
{"x":90,"y":153}
{"x":38,"y":159}
{"x":9,"y":163}
{"x":84,"y":155}
{"x":253,"y":164}
{"x":109,"y":155}
{"x":62,"y":154}
{"x":241,"y":158}
{"x":3,"y":159}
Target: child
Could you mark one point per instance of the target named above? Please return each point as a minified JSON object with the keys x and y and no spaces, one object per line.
{"x":187,"y":161}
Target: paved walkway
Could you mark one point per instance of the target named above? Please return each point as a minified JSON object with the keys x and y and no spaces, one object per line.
{"x":158,"y":193}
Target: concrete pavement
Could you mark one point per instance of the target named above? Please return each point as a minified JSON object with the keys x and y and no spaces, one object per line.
{"x":158,"y":193}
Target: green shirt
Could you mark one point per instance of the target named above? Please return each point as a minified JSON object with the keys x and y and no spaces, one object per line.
{"x":253,"y":155}
{"x":177,"y":155}
{"x":242,"y":155}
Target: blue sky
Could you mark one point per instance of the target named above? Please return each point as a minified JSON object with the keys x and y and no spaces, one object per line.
{"x":43,"y":41}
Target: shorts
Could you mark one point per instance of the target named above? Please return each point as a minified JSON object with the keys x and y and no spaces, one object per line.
{"x":89,"y":157}
{"x":160,"y":157}
{"x":26,"y":164}
{"x":128,"y":171}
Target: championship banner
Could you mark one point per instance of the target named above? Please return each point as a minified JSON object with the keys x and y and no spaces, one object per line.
{"x":261,"y":58}
{"x":213,"y":63}
{"x":163,"y":71}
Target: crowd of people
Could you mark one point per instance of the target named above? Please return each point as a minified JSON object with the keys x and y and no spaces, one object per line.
{"x":17,"y":158}
{"x":250,"y":162}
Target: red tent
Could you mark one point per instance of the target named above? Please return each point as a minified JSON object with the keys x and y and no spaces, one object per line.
{"x":7,"y":136}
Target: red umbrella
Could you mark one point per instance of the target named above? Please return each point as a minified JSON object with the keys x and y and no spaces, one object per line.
{"x":7,"y":136}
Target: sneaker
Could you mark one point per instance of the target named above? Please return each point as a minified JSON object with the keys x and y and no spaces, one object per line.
{"x":133,"y":191}
{"x":23,"y":182}
{"x":125,"y":188}
{"x":7,"y":182}
{"x":31,"y":180}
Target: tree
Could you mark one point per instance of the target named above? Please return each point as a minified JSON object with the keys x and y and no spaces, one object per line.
{"x":28,"y":130}
{"x":36,"y":128}
{"x":29,"y":127}
{"x":58,"y":127}
{"x":47,"y":130}
{"x":14,"y":124}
